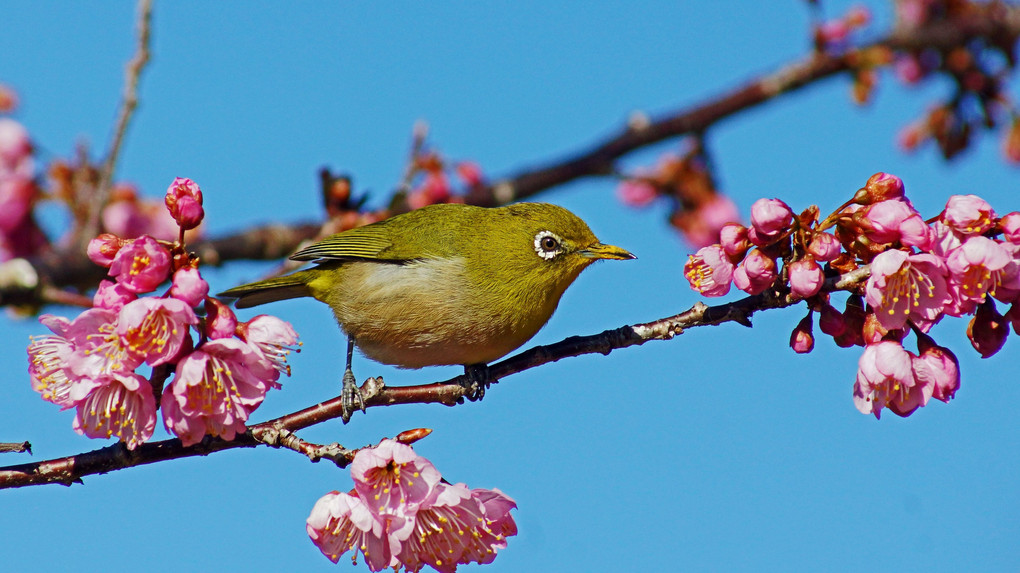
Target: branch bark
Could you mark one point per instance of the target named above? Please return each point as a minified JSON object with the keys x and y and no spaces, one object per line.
{"x":999,"y":26}
{"x":280,"y":431}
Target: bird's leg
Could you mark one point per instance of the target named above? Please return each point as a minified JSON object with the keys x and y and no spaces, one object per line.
{"x":478,"y":379}
{"x":350,"y":396}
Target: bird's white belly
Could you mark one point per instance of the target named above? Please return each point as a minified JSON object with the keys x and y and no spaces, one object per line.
{"x":423,"y":313}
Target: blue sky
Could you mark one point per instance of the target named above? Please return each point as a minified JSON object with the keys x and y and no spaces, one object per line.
{"x":721,"y":450}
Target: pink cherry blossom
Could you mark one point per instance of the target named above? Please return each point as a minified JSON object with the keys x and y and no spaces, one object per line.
{"x":189,"y":286}
{"x":885,"y":379}
{"x":703,"y":227}
{"x":141,"y":265}
{"x":636,"y":192}
{"x":943,"y":240}
{"x":122,"y":406}
{"x":215,"y":389}
{"x":129,"y":217}
{"x":451,"y":528}
{"x":340,"y":522}
{"x":112,"y":296}
{"x":497,"y":506}
{"x":709,"y":271}
{"x":908,"y":287}
{"x":104,"y":248}
{"x":99,"y":351}
{"x":801,"y":340}
{"x":393,"y":479}
{"x":940,"y":364}
{"x":975,"y":267}
{"x":275,"y":339}
{"x":770,"y":217}
{"x":1010,"y":227}
{"x":733,"y":238}
{"x":155,"y":328}
{"x":16,"y":197}
{"x":470,"y":173}
{"x":184,"y":201}
{"x":434,"y":189}
{"x":47,"y":358}
{"x":806,"y":277}
{"x":968,"y":214}
{"x":755,"y":273}
{"x":895,"y":220}
{"x":824,"y":247}
{"x":15,"y":148}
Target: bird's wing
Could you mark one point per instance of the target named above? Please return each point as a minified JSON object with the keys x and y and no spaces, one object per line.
{"x":368,"y":242}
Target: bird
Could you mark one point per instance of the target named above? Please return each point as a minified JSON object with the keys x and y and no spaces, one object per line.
{"x":446,"y":284}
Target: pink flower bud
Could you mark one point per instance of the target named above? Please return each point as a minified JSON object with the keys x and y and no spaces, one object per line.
{"x":824,"y":247}
{"x":141,"y":265}
{"x":15,"y":144}
{"x":941,"y":366}
{"x":709,"y":271}
{"x":104,"y":248}
{"x":111,"y":295}
{"x":853,"y":320}
{"x":968,"y":214}
{"x":184,"y":200}
{"x":908,"y":69}
{"x":894,"y":220}
{"x":220,"y":321}
{"x":16,"y":197}
{"x":988,"y":330}
{"x":755,"y":273}
{"x":636,"y":192}
{"x":801,"y":340}
{"x":189,"y":286}
{"x":806,"y":277}
{"x":880,"y":187}
{"x":770,"y":217}
{"x":830,"y":321}
{"x":470,"y":173}
{"x":733,"y":238}
{"x":1010,"y":227}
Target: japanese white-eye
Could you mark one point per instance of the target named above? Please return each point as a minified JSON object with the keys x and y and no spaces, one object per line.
{"x":444,"y":284}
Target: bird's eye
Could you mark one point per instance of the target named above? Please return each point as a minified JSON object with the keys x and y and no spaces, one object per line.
{"x":548,"y":245}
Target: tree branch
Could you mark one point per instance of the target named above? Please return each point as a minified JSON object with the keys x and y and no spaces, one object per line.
{"x":279,"y":432}
{"x":999,"y":26}
{"x":128,"y":103}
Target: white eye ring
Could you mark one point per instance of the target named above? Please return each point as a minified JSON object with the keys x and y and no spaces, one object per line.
{"x":548,"y":245}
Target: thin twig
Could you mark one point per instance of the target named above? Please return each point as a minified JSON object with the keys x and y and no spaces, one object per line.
{"x":128,"y":103}
{"x":72,"y":268}
{"x":16,"y":447}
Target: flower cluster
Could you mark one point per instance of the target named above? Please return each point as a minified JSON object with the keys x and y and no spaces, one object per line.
{"x":401,"y":514}
{"x":959,"y":263}
{"x":431,"y":184}
{"x":699,"y":209}
{"x":90,"y":363}
{"x":20,"y":236}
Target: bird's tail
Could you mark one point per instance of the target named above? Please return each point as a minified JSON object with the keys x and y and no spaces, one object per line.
{"x":270,"y":290}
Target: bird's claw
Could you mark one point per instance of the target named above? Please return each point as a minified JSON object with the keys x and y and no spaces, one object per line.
{"x":477,"y":379}
{"x":351,"y":399}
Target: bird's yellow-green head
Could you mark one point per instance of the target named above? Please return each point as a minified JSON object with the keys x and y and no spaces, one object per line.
{"x":445,"y":284}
